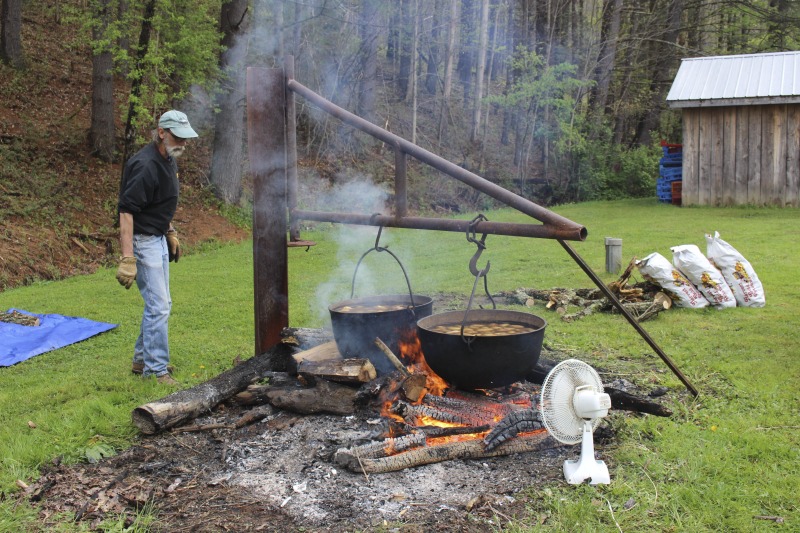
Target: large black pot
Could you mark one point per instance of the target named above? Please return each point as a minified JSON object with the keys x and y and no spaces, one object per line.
{"x":484,"y":362}
{"x":356,"y":323}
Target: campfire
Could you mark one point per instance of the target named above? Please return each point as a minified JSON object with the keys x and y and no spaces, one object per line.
{"x":423,"y":419}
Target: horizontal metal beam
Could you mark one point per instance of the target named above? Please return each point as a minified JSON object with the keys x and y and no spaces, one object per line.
{"x":541,"y":231}
{"x":571,"y":230}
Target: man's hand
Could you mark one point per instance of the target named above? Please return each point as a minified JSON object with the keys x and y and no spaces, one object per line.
{"x":173,"y":245}
{"x":126,"y":272}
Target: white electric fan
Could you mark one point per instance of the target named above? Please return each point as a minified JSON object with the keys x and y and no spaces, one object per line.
{"x":572,"y":404}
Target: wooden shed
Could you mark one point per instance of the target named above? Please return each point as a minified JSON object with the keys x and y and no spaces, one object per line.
{"x":741,"y":129}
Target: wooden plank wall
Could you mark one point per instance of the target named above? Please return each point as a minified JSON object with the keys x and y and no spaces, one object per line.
{"x":742,"y":155}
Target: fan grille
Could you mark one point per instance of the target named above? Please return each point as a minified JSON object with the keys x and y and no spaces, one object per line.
{"x":558,"y":389}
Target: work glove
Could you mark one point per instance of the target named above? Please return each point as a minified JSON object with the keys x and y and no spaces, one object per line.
{"x":126,"y":272}
{"x":173,"y":245}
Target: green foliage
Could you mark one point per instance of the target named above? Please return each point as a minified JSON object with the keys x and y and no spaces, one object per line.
{"x":183,"y":50}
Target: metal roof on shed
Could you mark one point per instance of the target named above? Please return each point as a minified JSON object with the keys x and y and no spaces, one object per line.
{"x":750,"y":79}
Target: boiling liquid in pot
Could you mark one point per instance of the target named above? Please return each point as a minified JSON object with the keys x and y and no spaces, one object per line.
{"x":484,"y":329}
{"x":371,"y":308}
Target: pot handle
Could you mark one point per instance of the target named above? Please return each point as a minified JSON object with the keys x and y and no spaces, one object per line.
{"x":378,"y":248}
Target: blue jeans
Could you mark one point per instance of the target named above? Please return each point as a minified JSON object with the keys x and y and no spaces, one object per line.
{"x":152,"y":278}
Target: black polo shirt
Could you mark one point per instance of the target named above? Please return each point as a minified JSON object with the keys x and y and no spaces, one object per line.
{"x":149,"y":191}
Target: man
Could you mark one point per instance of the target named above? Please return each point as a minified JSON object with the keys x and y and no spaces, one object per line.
{"x":148,"y":197}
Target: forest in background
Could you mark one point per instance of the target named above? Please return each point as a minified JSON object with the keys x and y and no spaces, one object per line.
{"x":557,"y":100}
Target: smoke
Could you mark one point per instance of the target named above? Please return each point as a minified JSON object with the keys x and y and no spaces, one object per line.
{"x":358,"y":195}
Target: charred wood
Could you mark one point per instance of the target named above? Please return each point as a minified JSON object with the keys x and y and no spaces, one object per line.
{"x":512,"y":425}
{"x":255,"y":393}
{"x":324,"y":397}
{"x":384,"y":448}
{"x":305,"y":338}
{"x":626,"y":401}
{"x":391,"y":356}
{"x":254,"y":415}
{"x":185,"y":405}
{"x":433,"y":432}
{"x":414,"y":414}
{"x":470,"y":449}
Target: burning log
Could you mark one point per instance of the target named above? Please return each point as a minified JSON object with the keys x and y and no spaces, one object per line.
{"x":187,"y":404}
{"x":512,"y":425}
{"x":391,"y":356}
{"x":339,"y":370}
{"x":469,"y":449}
{"x":384,"y":448}
{"x":414,"y":387}
{"x":414,"y":413}
{"x":324,"y":397}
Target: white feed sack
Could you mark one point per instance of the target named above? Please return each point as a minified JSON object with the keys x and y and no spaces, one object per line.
{"x":737,"y":271}
{"x":691,"y":261}
{"x":657,"y":269}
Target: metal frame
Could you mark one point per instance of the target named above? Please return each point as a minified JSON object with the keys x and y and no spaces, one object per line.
{"x":273,"y":162}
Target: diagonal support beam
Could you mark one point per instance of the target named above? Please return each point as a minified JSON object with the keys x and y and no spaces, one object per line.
{"x":638,"y":327}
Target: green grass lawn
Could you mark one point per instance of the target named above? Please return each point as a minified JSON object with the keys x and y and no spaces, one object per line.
{"x":722,"y":461}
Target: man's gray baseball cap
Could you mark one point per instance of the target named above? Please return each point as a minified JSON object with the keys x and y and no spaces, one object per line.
{"x":177,"y":123}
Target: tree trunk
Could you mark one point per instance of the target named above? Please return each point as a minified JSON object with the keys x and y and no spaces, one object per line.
{"x":481,"y":64}
{"x":608,"y":55}
{"x":101,"y":132}
{"x":226,"y":162}
{"x":136,"y":84}
{"x":452,"y":32}
{"x":432,"y":63}
{"x":10,"y":29}
{"x":369,"y":59}
{"x":412,"y":82}
{"x":407,"y":19}
{"x":661,"y":74}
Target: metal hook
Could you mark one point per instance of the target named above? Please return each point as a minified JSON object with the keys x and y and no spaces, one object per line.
{"x":481,"y":244}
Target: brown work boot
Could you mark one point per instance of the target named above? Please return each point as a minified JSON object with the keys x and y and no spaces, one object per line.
{"x":167,"y":379}
{"x":138,"y":368}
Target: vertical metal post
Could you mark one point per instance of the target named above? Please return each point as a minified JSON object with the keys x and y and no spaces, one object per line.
{"x":400,"y":183}
{"x":291,"y":148}
{"x":266,"y":147}
{"x":613,"y":255}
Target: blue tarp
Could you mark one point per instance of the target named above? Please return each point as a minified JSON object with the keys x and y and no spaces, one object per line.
{"x":18,"y":343}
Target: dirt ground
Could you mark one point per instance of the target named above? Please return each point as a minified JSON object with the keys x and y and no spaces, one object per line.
{"x":280,"y":474}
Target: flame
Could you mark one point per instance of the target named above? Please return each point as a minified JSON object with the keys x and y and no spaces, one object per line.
{"x":411,"y":355}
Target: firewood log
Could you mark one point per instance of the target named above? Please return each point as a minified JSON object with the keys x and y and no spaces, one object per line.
{"x":187,"y":404}
{"x":339,"y":370}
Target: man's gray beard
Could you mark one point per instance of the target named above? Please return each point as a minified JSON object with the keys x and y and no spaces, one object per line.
{"x":175,"y":151}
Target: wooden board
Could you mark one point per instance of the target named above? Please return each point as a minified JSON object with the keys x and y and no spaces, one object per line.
{"x":716,"y":169}
{"x":323,"y":352}
{"x":690,"y":151}
{"x":791,"y":197}
{"x":742,"y":155}
{"x":729,"y":130}
{"x":754,"y":165}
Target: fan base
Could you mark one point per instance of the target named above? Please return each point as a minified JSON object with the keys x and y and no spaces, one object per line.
{"x":576,"y":472}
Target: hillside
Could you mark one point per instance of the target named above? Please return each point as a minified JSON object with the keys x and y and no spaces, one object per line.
{"x":58,"y":202}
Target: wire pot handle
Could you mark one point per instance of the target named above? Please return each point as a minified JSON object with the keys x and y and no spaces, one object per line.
{"x":379,"y":248}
